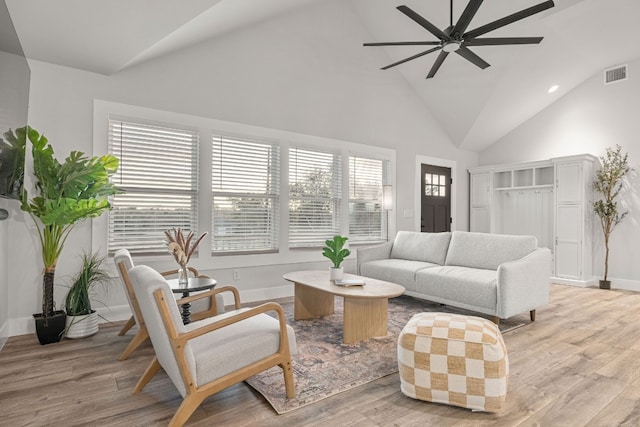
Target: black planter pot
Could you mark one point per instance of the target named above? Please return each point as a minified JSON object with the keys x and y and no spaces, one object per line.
{"x":50,"y":329}
{"x":605,"y":284}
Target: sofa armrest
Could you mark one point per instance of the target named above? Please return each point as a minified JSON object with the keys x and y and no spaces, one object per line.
{"x":372,"y":253}
{"x":523,"y":285}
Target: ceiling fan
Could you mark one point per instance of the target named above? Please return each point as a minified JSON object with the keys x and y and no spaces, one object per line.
{"x":455,"y":39}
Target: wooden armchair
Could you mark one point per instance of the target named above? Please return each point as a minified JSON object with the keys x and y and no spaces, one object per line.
{"x":124,"y":263}
{"x":205,"y":357}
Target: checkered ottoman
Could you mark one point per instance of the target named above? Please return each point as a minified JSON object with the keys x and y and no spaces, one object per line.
{"x":454,"y":359}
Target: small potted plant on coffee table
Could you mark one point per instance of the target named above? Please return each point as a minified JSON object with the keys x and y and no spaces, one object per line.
{"x":336,"y":252}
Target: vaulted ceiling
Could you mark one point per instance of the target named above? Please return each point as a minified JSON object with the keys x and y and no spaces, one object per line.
{"x":475,"y":107}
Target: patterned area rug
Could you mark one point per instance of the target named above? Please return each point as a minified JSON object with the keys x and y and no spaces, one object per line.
{"x":324,"y":366}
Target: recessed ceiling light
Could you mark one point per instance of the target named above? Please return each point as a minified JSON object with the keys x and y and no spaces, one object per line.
{"x":553,"y":88}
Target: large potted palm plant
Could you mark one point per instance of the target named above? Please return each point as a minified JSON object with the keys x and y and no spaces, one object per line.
{"x":65,"y":194}
{"x":608,"y":184}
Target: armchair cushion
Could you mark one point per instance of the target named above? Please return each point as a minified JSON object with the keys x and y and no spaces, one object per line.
{"x":225,"y":350}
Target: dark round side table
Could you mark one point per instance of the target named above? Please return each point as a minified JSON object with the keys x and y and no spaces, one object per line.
{"x":195,"y":284}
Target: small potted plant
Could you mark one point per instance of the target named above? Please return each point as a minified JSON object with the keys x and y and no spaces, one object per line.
{"x":82,"y":319}
{"x":608,"y":183}
{"x":336,"y":252}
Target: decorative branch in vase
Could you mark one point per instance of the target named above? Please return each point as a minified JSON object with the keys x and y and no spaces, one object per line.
{"x":182,"y":248}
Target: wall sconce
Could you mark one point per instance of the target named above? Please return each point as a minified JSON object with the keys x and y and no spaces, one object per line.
{"x":387,"y":204}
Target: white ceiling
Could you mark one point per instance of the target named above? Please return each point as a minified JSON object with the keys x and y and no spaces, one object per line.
{"x":475,"y":107}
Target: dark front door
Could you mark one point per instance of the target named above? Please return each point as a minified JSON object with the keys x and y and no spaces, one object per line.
{"x":436,"y":199}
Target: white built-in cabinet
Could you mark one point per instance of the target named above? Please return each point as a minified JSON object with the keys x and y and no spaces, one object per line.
{"x":549,"y":199}
{"x":480,"y":202}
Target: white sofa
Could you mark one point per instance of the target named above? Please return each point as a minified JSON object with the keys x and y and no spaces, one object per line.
{"x":495,"y":274}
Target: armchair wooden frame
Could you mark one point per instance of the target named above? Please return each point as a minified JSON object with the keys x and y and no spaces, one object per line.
{"x":142,"y":335}
{"x":196,"y":394}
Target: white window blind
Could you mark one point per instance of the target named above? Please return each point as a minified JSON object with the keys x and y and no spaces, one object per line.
{"x":159,"y":173}
{"x":245,"y":183}
{"x":365,"y":199}
{"x":315,"y":181}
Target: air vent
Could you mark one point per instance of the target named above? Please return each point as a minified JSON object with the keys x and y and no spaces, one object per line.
{"x":615,"y":74}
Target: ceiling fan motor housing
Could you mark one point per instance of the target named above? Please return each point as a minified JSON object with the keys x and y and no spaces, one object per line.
{"x":451,"y":46}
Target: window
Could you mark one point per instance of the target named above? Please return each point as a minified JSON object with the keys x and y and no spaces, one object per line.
{"x":315,"y":181}
{"x":159,"y":172}
{"x":435,"y":185}
{"x":245,"y":182}
{"x":365,"y":199}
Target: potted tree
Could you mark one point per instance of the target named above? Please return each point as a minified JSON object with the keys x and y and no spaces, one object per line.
{"x":336,"y":252}
{"x":82,"y":319}
{"x":65,"y":194}
{"x":608,"y":183}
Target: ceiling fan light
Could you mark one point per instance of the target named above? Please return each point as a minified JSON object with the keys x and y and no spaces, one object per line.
{"x":451,"y":46}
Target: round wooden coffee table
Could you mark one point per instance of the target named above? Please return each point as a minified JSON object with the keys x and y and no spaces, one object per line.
{"x":365,"y":307}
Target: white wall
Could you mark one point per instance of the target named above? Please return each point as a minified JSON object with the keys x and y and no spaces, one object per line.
{"x":587,"y":120}
{"x":14,"y":97}
{"x":293,"y":73}
{"x":4,"y":276}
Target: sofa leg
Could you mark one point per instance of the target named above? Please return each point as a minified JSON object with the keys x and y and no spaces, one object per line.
{"x":532,"y":315}
{"x":495,"y":319}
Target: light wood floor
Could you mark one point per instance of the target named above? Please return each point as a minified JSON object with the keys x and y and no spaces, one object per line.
{"x":578,"y":364}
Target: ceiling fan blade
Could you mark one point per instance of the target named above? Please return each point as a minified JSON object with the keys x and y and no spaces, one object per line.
{"x":436,"y":65}
{"x":509,"y":19}
{"x":466,"y":17}
{"x":403,"y":44}
{"x":502,"y":41}
{"x":411,"y":57}
{"x":472,"y":57}
{"x":424,"y":23}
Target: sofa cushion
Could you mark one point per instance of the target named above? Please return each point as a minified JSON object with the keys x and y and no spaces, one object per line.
{"x":468,"y":287}
{"x":398,"y":271}
{"x":487,"y":251}
{"x":427,"y":247}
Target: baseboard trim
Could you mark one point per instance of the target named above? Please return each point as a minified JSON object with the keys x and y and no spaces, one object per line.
{"x":574,"y":282}
{"x":4,"y":334}
{"x":113,"y":314}
{"x":26,"y":325}
{"x":623,"y":284}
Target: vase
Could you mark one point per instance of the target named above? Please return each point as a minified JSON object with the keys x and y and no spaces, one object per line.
{"x":183,"y":276}
{"x":50,"y":329}
{"x":605,"y":284}
{"x":82,"y":326}
{"x":336,"y":273}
